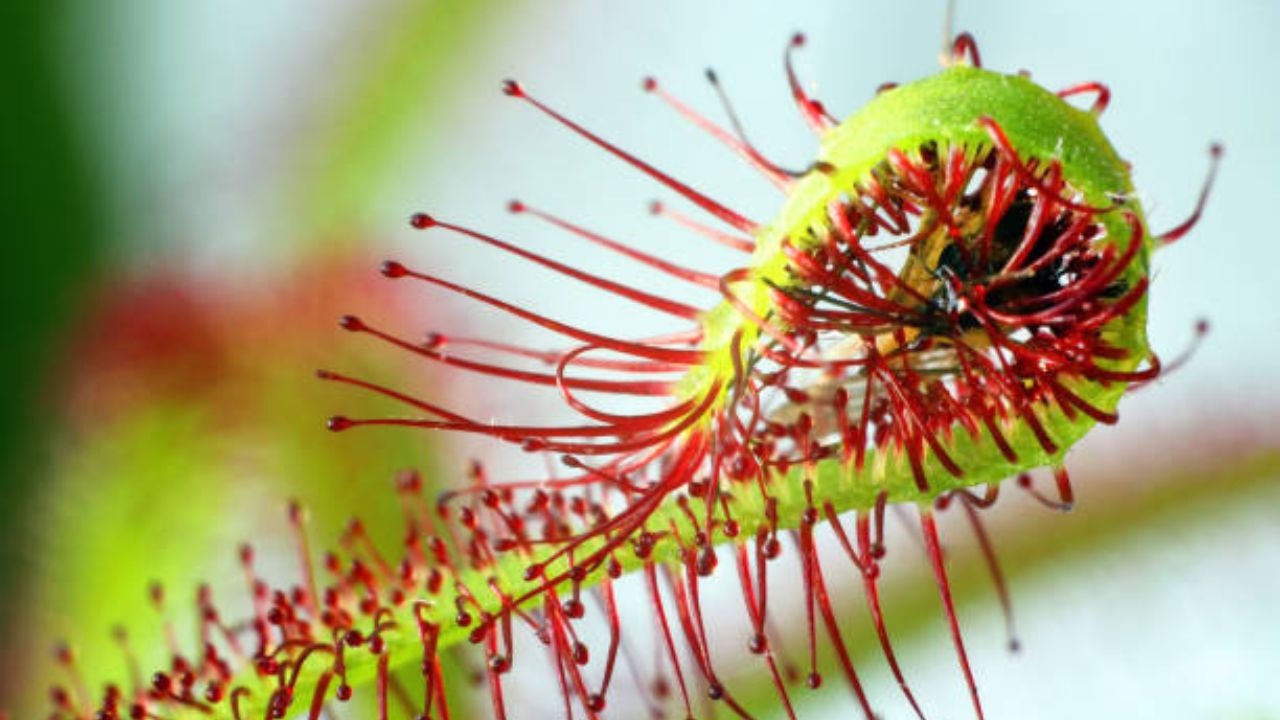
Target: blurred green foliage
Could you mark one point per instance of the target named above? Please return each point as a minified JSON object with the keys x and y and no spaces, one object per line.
{"x":52,"y":244}
{"x":399,"y":84}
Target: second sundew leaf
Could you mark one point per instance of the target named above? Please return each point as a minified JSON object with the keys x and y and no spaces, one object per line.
{"x":827,"y":384}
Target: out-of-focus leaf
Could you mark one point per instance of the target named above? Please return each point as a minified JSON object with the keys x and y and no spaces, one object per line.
{"x":193,"y":415}
{"x":392,"y":91}
{"x":51,"y":243}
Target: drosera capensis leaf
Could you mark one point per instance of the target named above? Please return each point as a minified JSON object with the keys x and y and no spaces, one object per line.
{"x":824,"y":384}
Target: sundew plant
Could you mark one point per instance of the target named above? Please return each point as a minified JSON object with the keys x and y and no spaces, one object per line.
{"x":945,"y":300}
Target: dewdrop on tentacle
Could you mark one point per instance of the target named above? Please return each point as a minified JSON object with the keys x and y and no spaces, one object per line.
{"x":951,"y":295}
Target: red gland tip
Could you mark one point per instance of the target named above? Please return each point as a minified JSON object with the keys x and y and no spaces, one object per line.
{"x":649,"y":83}
{"x":421,"y":221}
{"x":512,"y":88}
{"x":409,"y":480}
{"x":324,"y":375}
{"x":1202,"y":327}
{"x":393,"y":269}
{"x":338,"y":423}
{"x":351,"y":322}
{"x":655,"y":207}
{"x":515,"y":206}
{"x":63,"y":653}
{"x":1215,"y":150}
{"x":798,"y":40}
